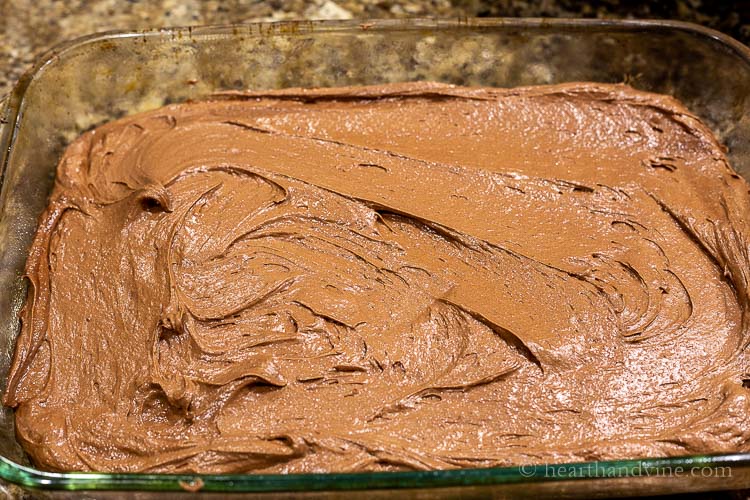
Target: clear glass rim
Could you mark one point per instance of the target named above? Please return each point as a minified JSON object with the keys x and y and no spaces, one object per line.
{"x":267,"y":483}
{"x":11,"y":112}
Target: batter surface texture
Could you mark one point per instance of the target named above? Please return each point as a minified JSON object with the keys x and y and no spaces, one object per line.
{"x":409,"y":276}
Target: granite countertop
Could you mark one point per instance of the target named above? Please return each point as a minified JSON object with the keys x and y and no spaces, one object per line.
{"x":29,"y":27}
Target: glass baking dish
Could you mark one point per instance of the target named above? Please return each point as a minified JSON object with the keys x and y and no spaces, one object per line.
{"x":83,"y":83}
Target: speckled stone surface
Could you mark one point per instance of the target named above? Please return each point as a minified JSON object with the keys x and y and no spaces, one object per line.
{"x":29,"y":27}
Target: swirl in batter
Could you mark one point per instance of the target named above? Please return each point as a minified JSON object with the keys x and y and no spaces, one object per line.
{"x":410,"y":276}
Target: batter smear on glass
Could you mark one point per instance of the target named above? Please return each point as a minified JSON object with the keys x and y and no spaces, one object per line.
{"x":408,"y":276}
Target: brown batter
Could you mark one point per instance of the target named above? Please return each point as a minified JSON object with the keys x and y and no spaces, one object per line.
{"x":411,"y":276}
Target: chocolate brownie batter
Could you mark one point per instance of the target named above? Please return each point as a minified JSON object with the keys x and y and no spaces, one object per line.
{"x":410,"y":276}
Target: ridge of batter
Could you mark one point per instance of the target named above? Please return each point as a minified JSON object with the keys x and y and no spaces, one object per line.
{"x":406,"y":276}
